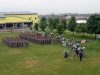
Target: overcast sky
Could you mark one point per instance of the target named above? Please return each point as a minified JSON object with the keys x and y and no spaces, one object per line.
{"x":51,"y":6}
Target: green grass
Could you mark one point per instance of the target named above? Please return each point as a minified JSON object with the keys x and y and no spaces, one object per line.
{"x":49,"y":59}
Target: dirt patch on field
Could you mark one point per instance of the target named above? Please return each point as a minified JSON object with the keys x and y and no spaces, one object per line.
{"x":29,"y":63}
{"x":14,"y":51}
{"x":95,"y":60}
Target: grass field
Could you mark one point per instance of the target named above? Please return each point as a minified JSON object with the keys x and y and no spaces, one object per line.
{"x":49,"y":59}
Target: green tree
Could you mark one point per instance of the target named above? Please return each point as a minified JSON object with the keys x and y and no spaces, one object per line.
{"x":51,"y":28}
{"x":36,"y":26}
{"x":72,"y":24}
{"x":78,"y":28}
{"x":31,"y":27}
{"x":93,"y":24}
{"x":55,"y":22}
{"x":64,"y":22}
{"x":43,"y":19}
{"x":50,"y":23}
{"x":60,"y":28}
{"x":52,"y":15}
{"x":42,"y":25}
{"x":81,"y":28}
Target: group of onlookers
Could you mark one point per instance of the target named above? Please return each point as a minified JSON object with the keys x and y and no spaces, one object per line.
{"x":75,"y":49}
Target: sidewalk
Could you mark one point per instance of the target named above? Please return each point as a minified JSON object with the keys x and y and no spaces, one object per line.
{"x":15,"y":30}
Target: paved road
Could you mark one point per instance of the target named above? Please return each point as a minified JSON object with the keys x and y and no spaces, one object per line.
{"x":15,"y":30}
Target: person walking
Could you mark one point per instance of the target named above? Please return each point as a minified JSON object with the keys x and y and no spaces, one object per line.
{"x":66,"y":54}
{"x":64,"y":43}
{"x":81,"y":55}
{"x":73,"y":54}
{"x":52,"y":41}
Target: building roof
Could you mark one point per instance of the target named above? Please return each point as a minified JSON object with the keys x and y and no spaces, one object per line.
{"x":61,"y":17}
{"x":68,"y":17}
{"x":22,"y":12}
{"x":2,"y":14}
{"x":78,"y":17}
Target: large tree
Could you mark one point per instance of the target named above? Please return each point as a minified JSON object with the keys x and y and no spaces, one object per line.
{"x":93,"y":24}
{"x":60,"y":28}
{"x":64,"y":22}
{"x":81,"y":28}
{"x":72,"y":24}
{"x":55,"y":22}
{"x":36,"y":26}
{"x":43,"y":19}
{"x":50,"y":23}
{"x":52,"y":15}
{"x":42,"y":25}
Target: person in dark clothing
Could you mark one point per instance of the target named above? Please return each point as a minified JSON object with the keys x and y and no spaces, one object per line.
{"x":81,"y":55}
{"x":66,"y":54}
{"x":77,"y":52}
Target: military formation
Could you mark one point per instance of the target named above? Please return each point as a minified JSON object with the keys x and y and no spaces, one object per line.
{"x":15,"y":42}
{"x":39,"y":39}
{"x":22,"y":40}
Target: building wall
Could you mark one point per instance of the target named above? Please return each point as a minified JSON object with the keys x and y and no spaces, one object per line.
{"x":2,"y":20}
{"x":32,"y":17}
{"x":67,"y":21}
{"x":15,"y":19}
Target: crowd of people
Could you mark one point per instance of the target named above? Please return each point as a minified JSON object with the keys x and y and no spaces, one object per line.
{"x":76,"y":51}
{"x":42,"y":38}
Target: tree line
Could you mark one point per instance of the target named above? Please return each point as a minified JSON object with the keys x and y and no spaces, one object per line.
{"x":92,"y":25}
{"x":51,"y":23}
